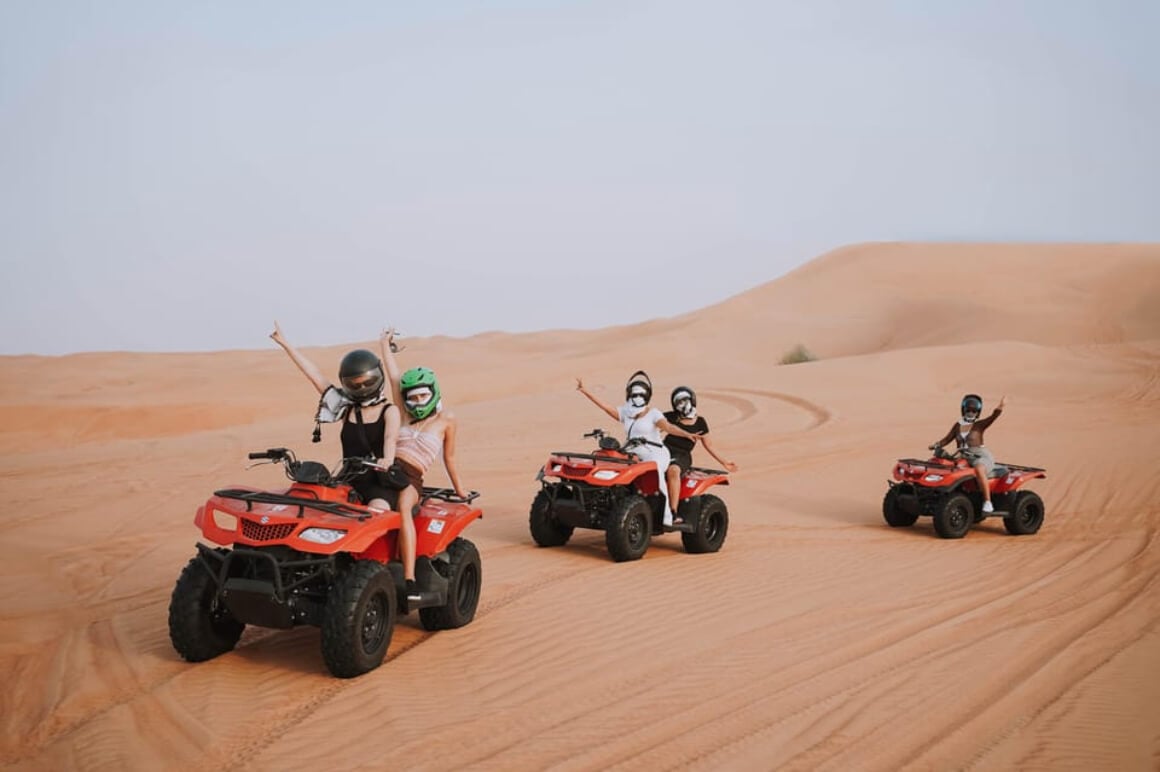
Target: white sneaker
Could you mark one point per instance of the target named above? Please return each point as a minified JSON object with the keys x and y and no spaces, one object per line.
{"x":987,"y":507}
{"x":667,"y":522}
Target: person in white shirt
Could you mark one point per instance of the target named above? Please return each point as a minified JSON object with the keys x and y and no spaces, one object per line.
{"x":642,"y":427}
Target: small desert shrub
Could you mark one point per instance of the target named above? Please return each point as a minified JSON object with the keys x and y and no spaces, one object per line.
{"x":798,"y":353}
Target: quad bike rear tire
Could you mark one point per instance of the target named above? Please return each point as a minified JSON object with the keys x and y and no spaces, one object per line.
{"x":893,"y":514}
{"x":464,"y":574}
{"x":359,"y":619}
{"x":1026,"y":515}
{"x":629,"y":529}
{"x":954,"y":517}
{"x":712,"y":526}
{"x":546,"y":530}
{"x":200,"y":626}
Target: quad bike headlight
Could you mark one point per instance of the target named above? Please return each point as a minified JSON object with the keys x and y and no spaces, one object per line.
{"x":606,"y":474}
{"x":225,"y":520}
{"x":322,"y":535}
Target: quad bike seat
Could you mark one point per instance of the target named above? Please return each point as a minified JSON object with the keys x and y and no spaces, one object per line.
{"x":998,"y":471}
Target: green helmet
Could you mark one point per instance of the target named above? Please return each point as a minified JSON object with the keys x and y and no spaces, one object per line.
{"x":420,"y":392}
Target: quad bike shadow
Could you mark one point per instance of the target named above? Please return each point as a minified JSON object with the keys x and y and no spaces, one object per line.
{"x":610,"y":490}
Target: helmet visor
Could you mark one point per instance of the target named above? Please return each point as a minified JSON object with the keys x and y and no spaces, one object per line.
{"x":364,"y":385}
{"x":418,"y":396}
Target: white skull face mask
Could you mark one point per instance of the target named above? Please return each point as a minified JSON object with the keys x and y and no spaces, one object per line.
{"x":683,"y":403}
{"x":637,"y":398}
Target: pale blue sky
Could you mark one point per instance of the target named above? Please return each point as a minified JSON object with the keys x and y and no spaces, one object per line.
{"x":173,"y":176}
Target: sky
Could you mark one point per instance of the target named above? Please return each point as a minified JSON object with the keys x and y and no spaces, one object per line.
{"x":175,"y":176}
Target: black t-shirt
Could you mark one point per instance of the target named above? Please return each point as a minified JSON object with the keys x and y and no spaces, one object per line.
{"x":673,"y":442}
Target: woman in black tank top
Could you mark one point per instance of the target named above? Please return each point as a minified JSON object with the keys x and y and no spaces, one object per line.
{"x":364,"y":440}
{"x":684,"y":415}
{"x":363,"y":387}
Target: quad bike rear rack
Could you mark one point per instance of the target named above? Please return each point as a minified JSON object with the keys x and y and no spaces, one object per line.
{"x":927,"y":463}
{"x":593,"y":457}
{"x":626,"y":461}
{"x":264,"y":497}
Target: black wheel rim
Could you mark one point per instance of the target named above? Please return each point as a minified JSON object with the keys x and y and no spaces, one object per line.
{"x":957,"y":517}
{"x":1030,"y":515}
{"x":713,"y":527}
{"x":468,"y":590}
{"x":374,"y":623}
{"x":637,"y":530}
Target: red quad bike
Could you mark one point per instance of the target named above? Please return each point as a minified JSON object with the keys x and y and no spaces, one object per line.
{"x":946,"y":489}
{"x":312,"y":554}
{"x":610,"y":491}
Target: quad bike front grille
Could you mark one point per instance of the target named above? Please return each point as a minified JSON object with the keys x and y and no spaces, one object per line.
{"x":258,"y":532}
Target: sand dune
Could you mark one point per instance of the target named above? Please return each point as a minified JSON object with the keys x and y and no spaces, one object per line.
{"x":818,"y":638}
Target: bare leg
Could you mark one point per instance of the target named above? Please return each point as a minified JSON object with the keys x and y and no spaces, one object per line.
{"x":673,"y":480}
{"x":408,"y":498}
{"x":981,"y":475}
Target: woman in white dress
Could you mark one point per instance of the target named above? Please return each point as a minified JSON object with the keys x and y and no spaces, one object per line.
{"x":642,"y":427}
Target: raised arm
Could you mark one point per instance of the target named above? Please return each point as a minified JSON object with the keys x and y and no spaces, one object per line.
{"x":393,"y":420}
{"x":394,"y":374}
{"x":449,"y":454}
{"x":998,"y":411}
{"x":308,"y":368}
{"x":611,"y":412}
{"x":712,"y":452}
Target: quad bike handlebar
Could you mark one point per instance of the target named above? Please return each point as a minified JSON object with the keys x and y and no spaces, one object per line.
{"x":603,"y":440}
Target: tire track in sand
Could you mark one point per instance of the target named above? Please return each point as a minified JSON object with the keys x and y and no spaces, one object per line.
{"x":741,"y":400}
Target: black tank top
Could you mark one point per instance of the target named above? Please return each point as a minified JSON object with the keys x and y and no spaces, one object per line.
{"x":699,"y":426}
{"x":365,"y":439}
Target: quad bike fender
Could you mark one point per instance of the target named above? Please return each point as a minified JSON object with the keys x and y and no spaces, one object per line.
{"x":602,"y":469}
{"x":440,"y":523}
{"x":1015,"y":479}
{"x":227,"y":521}
{"x":695,"y":484}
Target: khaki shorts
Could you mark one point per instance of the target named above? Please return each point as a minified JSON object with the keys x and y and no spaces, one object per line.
{"x":980,"y":455}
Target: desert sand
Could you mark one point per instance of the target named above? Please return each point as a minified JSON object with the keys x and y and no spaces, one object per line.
{"x":818,"y":638}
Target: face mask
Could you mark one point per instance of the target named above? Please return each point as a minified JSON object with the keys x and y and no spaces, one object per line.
{"x":685,"y":408}
{"x":968,"y":419}
{"x":637,"y":400}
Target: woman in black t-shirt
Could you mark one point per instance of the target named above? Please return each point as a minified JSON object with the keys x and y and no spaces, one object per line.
{"x":684,"y":415}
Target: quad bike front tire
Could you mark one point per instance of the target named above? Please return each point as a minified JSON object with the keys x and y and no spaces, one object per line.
{"x":200,"y":626}
{"x":954,"y":517}
{"x":1026,"y":515}
{"x":464,"y":575}
{"x":893,"y":514}
{"x":629,"y":529}
{"x":546,"y":530}
{"x":712,"y":526}
{"x":359,"y":619}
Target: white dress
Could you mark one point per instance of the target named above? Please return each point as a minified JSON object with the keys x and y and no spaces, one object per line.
{"x":650,"y":446}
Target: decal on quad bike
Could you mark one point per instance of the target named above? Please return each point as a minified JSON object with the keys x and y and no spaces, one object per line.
{"x":435,"y":526}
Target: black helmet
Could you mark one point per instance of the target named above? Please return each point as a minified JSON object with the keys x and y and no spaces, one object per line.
{"x":361,"y":374}
{"x":638,"y":382}
{"x":972,"y":403}
{"x":684,"y":401}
